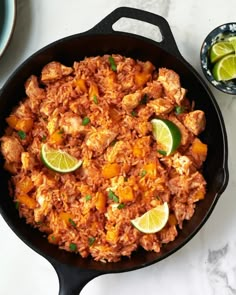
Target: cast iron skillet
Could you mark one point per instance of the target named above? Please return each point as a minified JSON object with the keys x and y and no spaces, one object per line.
{"x":73,"y":271}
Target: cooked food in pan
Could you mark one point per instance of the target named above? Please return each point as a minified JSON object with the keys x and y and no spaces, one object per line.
{"x":105,"y":156}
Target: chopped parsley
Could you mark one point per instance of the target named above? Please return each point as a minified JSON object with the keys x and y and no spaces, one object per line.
{"x":21,"y":134}
{"x":112,"y":196}
{"x":88,"y":197}
{"x":113,"y":142}
{"x":73,"y":247}
{"x":61,"y":131}
{"x":71,"y":221}
{"x":144,"y":99}
{"x":143,"y":173}
{"x":95,"y":99}
{"x":179,"y":109}
{"x":17,"y":205}
{"x":121,"y":206}
{"x":53,"y":238}
{"x":43,"y":138}
{"x":85,"y":121}
{"x":162,"y":152}
{"x":133,"y":114}
{"x":91,"y":241}
{"x":112,"y":63}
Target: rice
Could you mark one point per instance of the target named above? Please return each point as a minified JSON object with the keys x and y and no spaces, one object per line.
{"x":123,"y":175}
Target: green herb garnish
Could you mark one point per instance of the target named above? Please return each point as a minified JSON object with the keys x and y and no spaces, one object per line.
{"x":85,"y":121}
{"x":88,"y":197}
{"x":112,"y":63}
{"x":144,"y":99}
{"x":71,"y":221}
{"x":61,"y":131}
{"x":112,"y":196}
{"x":95,"y":99}
{"x":179,"y":109}
{"x":91,"y":241}
{"x":133,"y":114}
{"x":17,"y":205}
{"x":121,"y":206}
{"x":113,"y":142}
{"x":43,"y":138}
{"x":73,"y":247}
{"x":53,"y":238}
{"x":162,"y":152}
{"x":143,"y":173}
{"x":21,"y":134}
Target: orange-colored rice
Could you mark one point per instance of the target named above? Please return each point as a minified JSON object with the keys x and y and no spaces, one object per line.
{"x":116,"y":146}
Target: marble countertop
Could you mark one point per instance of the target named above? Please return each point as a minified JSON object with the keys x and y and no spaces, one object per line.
{"x":207,"y":264}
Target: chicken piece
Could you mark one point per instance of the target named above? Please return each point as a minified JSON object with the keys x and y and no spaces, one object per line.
{"x":161,"y":106}
{"x":34,"y":92}
{"x":186,"y":136}
{"x":11,"y":149}
{"x":54,"y":71}
{"x":182,"y":164}
{"x":143,"y":128}
{"x":27,"y":160}
{"x":171,"y":84}
{"x":72,"y":124}
{"x":195,"y":121}
{"x":168,"y":234}
{"x":153,"y":90}
{"x":113,"y":152}
{"x":197,"y":181}
{"x":131,"y":101}
{"x":150,"y":242}
{"x":45,"y":206}
{"x":99,"y":139}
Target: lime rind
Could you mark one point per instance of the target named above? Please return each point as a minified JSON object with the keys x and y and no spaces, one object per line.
{"x":171,"y":138}
{"x":225,"y":69}
{"x":153,"y":220}
{"x":232,"y":40}
{"x":58,"y":160}
{"x":220,"y":49}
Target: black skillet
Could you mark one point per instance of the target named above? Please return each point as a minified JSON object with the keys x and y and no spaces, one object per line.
{"x":73,"y":271}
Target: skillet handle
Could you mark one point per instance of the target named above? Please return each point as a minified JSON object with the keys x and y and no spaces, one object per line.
{"x":73,"y":279}
{"x":168,"y":42}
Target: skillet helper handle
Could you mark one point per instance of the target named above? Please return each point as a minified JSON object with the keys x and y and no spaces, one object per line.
{"x":73,"y":279}
{"x":167,"y":43}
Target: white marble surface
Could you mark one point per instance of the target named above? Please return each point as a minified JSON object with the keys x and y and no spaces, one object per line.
{"x":207,"y":264}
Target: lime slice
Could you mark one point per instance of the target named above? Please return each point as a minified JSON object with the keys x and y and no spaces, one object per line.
{"x":232,"y":40}
{"x":219,"y":50}
{"x":153,"y":220}
{"x":59,"y":160}
{"x":225,"y":69}
{"x":167,"y":134}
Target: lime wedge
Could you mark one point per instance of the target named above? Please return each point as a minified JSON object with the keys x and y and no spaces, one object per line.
{"x":167,"y":134}
{"x":219,"y":50}
{"x":153,"y":220}
{"x":58,"y":160}
{"x":232,"y":40}
{"x":225,"y":69}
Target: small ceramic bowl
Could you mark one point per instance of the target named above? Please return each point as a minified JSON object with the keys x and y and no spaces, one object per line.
{"x":7,"y":22}
{"x":218,"y":34}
